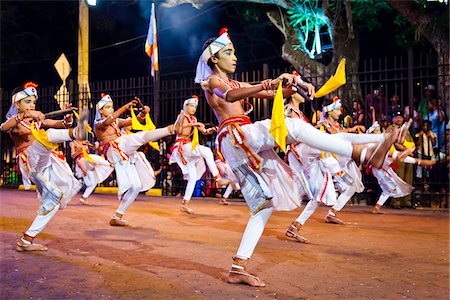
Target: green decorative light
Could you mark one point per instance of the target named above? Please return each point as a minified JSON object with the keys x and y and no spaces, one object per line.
{"x":310,"y":22}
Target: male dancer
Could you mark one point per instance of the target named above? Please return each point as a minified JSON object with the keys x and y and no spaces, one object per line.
{"x":390,"y":183}
{"x":226,"y":172}
{"x":191,"y":158}
{"x":314,"y":168}
{"x":94,"y":169}
{"x":38,"y":161}
{"x":133,"y":172}
{"x":266,"y":181}
{"x":349,"y":181}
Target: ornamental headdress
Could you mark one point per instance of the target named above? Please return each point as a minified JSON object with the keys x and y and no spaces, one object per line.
{"x":372,"y":128}
{"x":105,"y":99}
{"x":336,"y":104}
{"x":193,"y":99}
{"x":203,"y":70}
{"x":29,"y":89}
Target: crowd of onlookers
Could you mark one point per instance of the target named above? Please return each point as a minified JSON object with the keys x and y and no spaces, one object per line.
{"x":429,"y":134}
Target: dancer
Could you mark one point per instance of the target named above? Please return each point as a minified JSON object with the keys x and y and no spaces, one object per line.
{"x":226,"y":173}
{"x":38,"y":161}
{"x":94,"y":169}
{"x":266,"y":181}
{"x":133,"y":172}
{"x":314,"y":168}
{"x":349,"y":181}
{"x":190,"y":156}
{"x":390,"y":183}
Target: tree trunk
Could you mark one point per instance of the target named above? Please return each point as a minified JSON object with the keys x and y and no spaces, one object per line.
{"x":436,"y":31}
{"x":343,"y":46}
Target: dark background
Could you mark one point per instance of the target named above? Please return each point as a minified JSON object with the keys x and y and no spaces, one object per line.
{"x":35,"y":33}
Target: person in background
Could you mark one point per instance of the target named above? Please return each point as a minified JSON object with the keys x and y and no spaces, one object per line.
{"x":425,"y":141}
{"x":423,"y":105}
{"x":404,"y":171}
{"x":358,"y":117}
{"x":417,"y":121}
{"x":394,"y":106}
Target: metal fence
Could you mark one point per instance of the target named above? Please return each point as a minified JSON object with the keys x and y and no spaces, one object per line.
{"x":391,"y":76}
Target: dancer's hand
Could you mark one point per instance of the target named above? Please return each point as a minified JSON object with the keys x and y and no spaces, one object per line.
{"x":145,"y":110}
{"x":210,"y":130}
{"x":35,"y":114}
{"x":200,"y":126}
{"x":131,"y":103}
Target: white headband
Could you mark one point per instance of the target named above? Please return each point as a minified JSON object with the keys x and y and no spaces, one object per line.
{"x":193,"y":99}
{"x":29,"y":91}
{"x":337,"y":103}
{"x":372,"y":128}
{"x":215,"y":46}
{"x":105,"y":99}
{"x":203,"y":71}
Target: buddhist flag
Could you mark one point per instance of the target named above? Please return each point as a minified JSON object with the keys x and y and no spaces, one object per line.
{"x":278,"y":128}
{"x":151,"y":43}
{"x":334,"y":82}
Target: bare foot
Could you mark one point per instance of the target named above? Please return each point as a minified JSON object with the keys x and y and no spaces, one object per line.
{"x":186,"y":209}
{"x":23,"y":246}
{"x":378,"y":153}
{"x":237,"y":276}
{"x":293,"y":232}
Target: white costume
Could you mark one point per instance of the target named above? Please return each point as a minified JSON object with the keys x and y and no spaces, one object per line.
{"x":267,"y":183}
{"x":133,"y":171}
{"x":349,"y":181}
{"x":226,"y":173}
{"x":46,"y":168}
{"x":391,"y":185}
{"x":192,"y":161}
{"x":93,"y":170}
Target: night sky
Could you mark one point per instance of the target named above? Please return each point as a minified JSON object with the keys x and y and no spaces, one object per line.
{"x":35,"y":33}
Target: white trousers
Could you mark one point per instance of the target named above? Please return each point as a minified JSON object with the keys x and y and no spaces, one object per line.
{"x":39,"y":161}
{"x":126,"y":173}
{"x":253,"y":232}
{"x":206,"y":154}
{"x":344,"y":197}
{"x":382,"y":199}
{"x":90,"y":183}
{"x":310,"y":208}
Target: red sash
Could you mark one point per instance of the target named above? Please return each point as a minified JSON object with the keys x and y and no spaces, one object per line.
{"x":233,"y":123}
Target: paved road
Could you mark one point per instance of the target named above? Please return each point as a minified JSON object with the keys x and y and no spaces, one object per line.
{"x":167,"y":254}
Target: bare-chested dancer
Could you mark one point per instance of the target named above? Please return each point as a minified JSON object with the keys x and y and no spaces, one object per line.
{"x":266,"y":183}
{"x":133,"y":172}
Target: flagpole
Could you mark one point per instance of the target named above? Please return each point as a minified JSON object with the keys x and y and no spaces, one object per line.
{"x":156,"y":85}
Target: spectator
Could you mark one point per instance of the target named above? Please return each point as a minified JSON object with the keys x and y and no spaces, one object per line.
{"x":394,"y":106}
{"x":437,"y":118}
{"x":404,"y":171}
{"x":423,"y":105}
{"x":358,"y":113}
{"x":376,"y":100}
{"x":426,"y":139}
{"x":347,"y":120}
{"x":417,"y":121}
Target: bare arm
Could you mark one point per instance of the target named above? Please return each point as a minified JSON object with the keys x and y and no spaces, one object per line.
{"x":12,"y":122}
{"x":108,"y":121}
{"x":262,"y":90}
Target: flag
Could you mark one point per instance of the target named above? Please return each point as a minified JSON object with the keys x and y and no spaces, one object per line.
{"x":195,"y":139}
{"x":278,"y":128}
{"x":334,"y":82}
{"x":151,"y":43}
